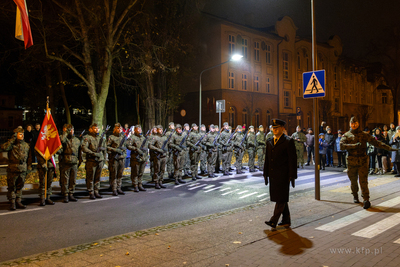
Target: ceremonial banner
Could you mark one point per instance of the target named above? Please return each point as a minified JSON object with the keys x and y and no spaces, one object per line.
{"x":49,"y":141}
{"x":22,"y":26}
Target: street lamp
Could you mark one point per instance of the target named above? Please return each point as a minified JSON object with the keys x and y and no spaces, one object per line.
{"x":234,"y":57}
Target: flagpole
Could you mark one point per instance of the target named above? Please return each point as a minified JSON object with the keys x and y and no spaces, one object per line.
{"x":47,"y":168}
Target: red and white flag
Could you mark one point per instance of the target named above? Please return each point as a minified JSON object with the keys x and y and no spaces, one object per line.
{"x":22,"y":26}
{"x":48,"y":142}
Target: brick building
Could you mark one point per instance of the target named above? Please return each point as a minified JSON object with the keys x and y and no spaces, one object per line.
{"x":267,"y":83}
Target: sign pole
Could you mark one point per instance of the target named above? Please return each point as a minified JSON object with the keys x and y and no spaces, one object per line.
{"x":316,"y":112}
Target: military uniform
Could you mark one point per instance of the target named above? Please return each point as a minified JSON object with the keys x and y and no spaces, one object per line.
{"x":42,"y":170}
{"x":158,"y":156}
{"x":355,"y":142}
{"x":116,"y":161}
{"x":18,"y":157}
{"x":203,"y":157}
{"x":226,"y":149}
{"x":138,"y":159}
{"x":238,"y":150}
{"x":260,"y":140}
{"x":178,"y":154}
{"x":69,"y":166}
{"x":251,"y":148}
{"x":170,"y":156}
{"x":186,"y":160}
{"x":194,"y":152}
{"x":94,"y":162}
{"x":299,"y":146}
{"x":208,"y":141}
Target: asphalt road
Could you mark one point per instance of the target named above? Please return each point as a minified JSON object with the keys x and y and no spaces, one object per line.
{"x":39,"y":229}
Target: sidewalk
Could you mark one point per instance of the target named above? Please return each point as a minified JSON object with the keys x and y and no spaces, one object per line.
{"x":240,"y":238}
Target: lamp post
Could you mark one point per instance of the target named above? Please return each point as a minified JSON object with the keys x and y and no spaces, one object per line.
{"x":235,"y":57}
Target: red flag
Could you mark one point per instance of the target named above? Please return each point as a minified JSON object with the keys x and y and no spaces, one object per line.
{"x":48,"y":142}
{"x":22,"y":26}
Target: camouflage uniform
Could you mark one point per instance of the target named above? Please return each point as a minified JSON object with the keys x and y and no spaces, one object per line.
{"x":158,"y":156}
{"x":238,"y":150}
{"x":178,"y":154}
{"x":94,"y":162}
{"x":355,"y":142}
{"x":42,"y":170}
{"x":18,"y":157}
{"x":251,"y":148}
{"x":211,"y":152}
{"x":138,"y":159}
{"x":226,"y":149}
{"x":69,"y":164}
{"x":116,"y":161}
{"x":186,"y":160}
{"x":299,"y":146}
{"x":194,"y":152}
{"x":261,"y":145}
{"x":203,"y":158}
{"x":170,"y":155}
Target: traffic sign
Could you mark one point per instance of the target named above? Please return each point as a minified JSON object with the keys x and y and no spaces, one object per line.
{"x":220,"y":106}
{"x":314,"y":84}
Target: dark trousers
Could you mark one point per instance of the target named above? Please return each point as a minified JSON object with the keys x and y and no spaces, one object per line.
{"x":322,"y":158}
{"x":281,"y":208}
{"x":341,"y":158}
{"x":372,"y":161}
{"x":379,"y":159}
{"x":310,"y":150}
{"x":329,"y":156}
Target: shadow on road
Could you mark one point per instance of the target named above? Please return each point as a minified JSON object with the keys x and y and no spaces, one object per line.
{"x":292,"y":243}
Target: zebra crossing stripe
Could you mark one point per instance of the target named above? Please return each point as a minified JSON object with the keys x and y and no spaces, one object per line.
{"x":222,"y":190}
{"x":243,"y":192}
{"x":197,"y":187}
{"x":229,"y":192}
{"x":263,"y":199}
{"x":209,"y":186}
{"x":212,"y":189}
{"x":397,"y":241}
{"x":262,"y":195}
{"x":358,"y":216}
{"x":248,"y":195}
{"x":19,"y":211}
{"x":379,"y":227}
{"x":190,"y":185}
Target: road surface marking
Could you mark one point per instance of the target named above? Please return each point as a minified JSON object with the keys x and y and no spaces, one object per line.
{"x":262,"y":195}
{"x":379,"y":227}
{"x":99,"y":199}
{"x":209,"y":186}
{"x":371,"y":183}
{"x":190,"y":185}
{"x":263,"y":199}
{"x":229,"y":192}
{"x":212,"y":189}
{"x":243,"y":192}
{"x":222,"y":190}
{"x":19,"y":211}
{"x":397,"y":241}
{"x":248,"y":195}
{"x":358,"y":216}
{"x":197,"y":187}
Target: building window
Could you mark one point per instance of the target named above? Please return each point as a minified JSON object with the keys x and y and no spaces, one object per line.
{"x":268,"y":118}
{"x":232,"y":116}
{"x":256,"y":87}
{"x":257,"y":51}
{"x":231,"y":80}
{"x":300,"y":89}
{"x":335,"y":76}
{"x":268,"y":54}
{"x":268,"y":85}
{"x":384,"y":98}
{"x":309,"y":120}
{"x":231,"y":46}
{"x":285,"y":66}
{"x":257,"y":118}
{"x":298,"y":61}
{"x":337,"y":104}
{"x":286,"y":99}
{"x":244,"y":48}
{"x":244,"y":81}
{"x":244,"y":117}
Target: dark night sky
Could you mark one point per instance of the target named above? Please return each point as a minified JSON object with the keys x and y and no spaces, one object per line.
{"x":354,"y":21}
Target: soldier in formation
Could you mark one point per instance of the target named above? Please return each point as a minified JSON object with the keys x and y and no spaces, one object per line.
{"x":299,"y":139}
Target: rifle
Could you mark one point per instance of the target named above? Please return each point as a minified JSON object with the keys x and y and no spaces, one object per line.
{"x":123,"y":140}
{"x":199,"y":141}
{"x":183,"y":140}
{"x":101,"y":138}
{"x":165,"y":143}
{"x":80,"y":136}
{"x":230,"y":138}
{"x":164,"y":132}
{"x":241,"y":143}
{"x":143,"y":144}
{"x":215,"y":140}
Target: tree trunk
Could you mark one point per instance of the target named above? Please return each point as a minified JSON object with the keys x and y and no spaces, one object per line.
{"x":115,"y":103}
{"x":150,"y":107}
{"x":62,"y":90}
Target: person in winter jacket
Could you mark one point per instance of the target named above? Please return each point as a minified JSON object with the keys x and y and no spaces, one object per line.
{"x":323,"y":147}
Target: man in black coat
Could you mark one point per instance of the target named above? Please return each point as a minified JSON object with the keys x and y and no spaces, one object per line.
{"x":280,"y":169}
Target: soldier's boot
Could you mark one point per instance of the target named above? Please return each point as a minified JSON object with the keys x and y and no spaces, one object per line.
{"x":115,"y":193}
{"x":157,"y":186}
{"x":198,"y":177}
{"x":97,"y":194}
{"x":135,"y":188}
{"x":72,"y":198}
{"x":181,"y":181}
{"x":12,"y":204}
{"x":19,"y":204}
{"x":91,"y":195}
{"x":176,"y":181}
{"x":42,"y":201}
{"x":367,"y":204}
{"x":49,"y":201}
{"x":160,"y":183}
{"x":252,"y":170}
{"x":119,"y":190}
{"x":66,"y":199}
{"x":141,"y":188}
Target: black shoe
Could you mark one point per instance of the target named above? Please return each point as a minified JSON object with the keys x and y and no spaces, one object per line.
{"x":181,"y":181}
{"x":286,"y":224}
{"x":97,"y":195}
{"x":42,"y":202}
{"x":308,"y":164}
{"x":205,"y":172}
{"x":141,"y":188}
{"x":338,"y":166}
{"x":252,"y":170}
{"x":48,"y":202}
{"x":231,"y":169}
{"x":120,"y":192}
{"x":115,"y":193}
{"x":397,"y":175}
{"x":161,"y":184}
{"x":12,"y":205}
{"x":72,"y":198}
{"x":157,"y":186}
{"x":19,"y":204}
{"x":66,"y":199}
{"x":135,"y":188}
{"x":194,"y":179}
{"x":91,"y":195}
{"x":176,"y":182}
{"x":355,"y":200}
{"x":269,"y":223}
{"x":198,"y":177}
{"x":367,"y":204}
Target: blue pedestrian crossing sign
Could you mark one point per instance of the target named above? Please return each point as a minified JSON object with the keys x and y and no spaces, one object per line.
{"x":314,"y":84}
